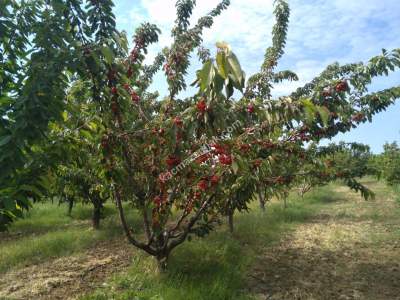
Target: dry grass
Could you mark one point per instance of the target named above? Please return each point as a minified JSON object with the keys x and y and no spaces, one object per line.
{"x":350,"y":250}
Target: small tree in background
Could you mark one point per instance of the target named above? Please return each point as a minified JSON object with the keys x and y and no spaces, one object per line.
{"x":388,"y":164}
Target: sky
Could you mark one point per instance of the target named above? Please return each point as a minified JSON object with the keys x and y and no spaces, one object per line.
{"x":320,"y":32}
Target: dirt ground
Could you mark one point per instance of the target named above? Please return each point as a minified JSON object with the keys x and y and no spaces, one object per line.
{"x":67,"y":277}
{"x":350,"y":250}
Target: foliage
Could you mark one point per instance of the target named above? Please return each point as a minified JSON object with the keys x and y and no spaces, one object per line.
{"x":388,"y":165}
{"x":182,"y":163}
{"x":345,"y":162}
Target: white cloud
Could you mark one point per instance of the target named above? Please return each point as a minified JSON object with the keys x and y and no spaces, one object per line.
{"x":320,"y":32}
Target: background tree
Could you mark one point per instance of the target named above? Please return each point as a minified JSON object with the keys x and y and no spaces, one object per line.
{"x":388,"y":165}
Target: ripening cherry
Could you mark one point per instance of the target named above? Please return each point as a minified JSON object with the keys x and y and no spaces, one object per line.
{"x":114,"y":90}
{"x":114,"y":107}
{"x":203,"y":185}
{"x":127,"y":87}
{"x":342,"y":86}
{"x":326,"y":93}
{"x":157,"y":200}
{"x":203,"y":158}
{"x":135,"y":97}
{"x":129,"y":73}
{"x":218,"y":149}
{"x":257,"y":163}
{"x":214,"y":180}
{"x":172,"y":161}
{"x":357,"y":117}
{"x":201,"y":106}
{"x":104,"y":143}
{"x":225,"y":159}
{"x":178,"y":122}
{"x":250,"y":108}
{"x":245,"y":148}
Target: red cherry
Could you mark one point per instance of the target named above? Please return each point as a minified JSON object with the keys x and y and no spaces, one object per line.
{"x":127,"y":87}
{"x":225,"y":159}
{"x":201,"y":106}
{"x":342,"y":86}
{"x":245,"y":147}
{"x":203,"y":158}
{"x":114,"y":107}
{"x":214,"y":180}
{"x":250,"y":108}
{"x":129,"y":73}
{"x":326,"y":93}
{"x":135,"y":97}
{"x":202,"y":185}
{"x":104,"y":143}
{"x":357,"y":117}
{"x":178,"y":122}
{"x":114,"y":90}
{"x":219,"y":149}
{"x":157,"y":200}
{"x":172,"y":161}
{"x":257,"y":163}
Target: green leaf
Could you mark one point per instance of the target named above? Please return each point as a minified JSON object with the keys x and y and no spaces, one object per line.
{"x":324,"y":114}
{"x":235,"y":167}
{"x":5,"y":140}
{"x":229,"y":89}
{"x":86,"y":134}
{"x":218,"y":83}
{"x":206,"y":75}
{"x":309,"y":110}
{"x":30,"y":188}
{"x":108,"y":54}
{"x":235,"y":69}
{"x":222,"y":65}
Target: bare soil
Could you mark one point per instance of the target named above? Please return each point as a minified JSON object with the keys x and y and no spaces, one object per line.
{"x":67,"y":277}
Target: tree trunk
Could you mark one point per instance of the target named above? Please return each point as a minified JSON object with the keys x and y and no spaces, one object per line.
{"x":261,"y":199}
{"x":70,"y":206}
{"x":262,"y":205}
{"x":230,"y":221}
{"x":162,"y":262}
{"x":96,"y":216}
{"x":146,"y":224}
{"x":284,"y":202}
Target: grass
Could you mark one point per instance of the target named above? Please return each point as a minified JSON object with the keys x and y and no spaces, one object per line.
{"x":214,"y":267}
{"x":47,"y":232}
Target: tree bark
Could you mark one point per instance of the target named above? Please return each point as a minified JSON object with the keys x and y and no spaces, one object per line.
{"x":162,"y":262}
{"x":70,"y":206}
{"x":261,"y":199}
{"x":146,"y":224}
{"x":96,"y":216}
{"x":230,"y":221}
{"x":262,"y":205}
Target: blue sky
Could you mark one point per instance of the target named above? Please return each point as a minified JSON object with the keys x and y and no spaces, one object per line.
{"x":321,"y":32}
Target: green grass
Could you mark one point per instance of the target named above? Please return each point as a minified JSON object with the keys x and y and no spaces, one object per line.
{"x":214,"y":267}
{"x":47,"y":232}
